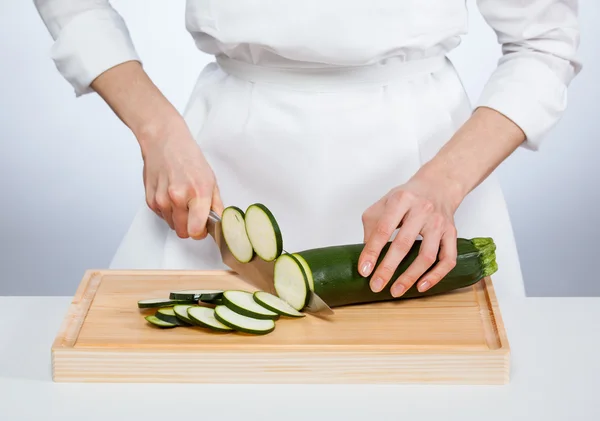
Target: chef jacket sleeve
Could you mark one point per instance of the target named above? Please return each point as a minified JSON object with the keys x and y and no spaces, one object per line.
{"x":539,"y":41}
{"x":89,"y":37}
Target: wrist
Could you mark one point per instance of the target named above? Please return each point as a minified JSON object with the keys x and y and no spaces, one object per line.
{"x":139,"y":104}
{"x":154,"y":131}
{"x":452,"y":190}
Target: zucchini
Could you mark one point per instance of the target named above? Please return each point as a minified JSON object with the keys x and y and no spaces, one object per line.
{"x":276,"y":304}
{"x":158,"y":322}
{"x":194,"y":295}
{"x":242,"y":323}
{"x":291,"y":282}
{"x":167,"y":314}
{"x":337,"y":281}
{"x":162,"y":302}
{"x":181,"y":312}
{"x":205,"y":317}
{"x":263,"y":232}
{"x":235,"y":235}
{"x":243,"y":302}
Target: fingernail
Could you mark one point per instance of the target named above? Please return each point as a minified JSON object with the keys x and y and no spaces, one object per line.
{"x":377,"y":285}
{"x":422,"y":287}
{"x":366,"y":268}
{"x":398,"y":290}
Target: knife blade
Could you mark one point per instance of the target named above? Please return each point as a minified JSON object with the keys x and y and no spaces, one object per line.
{"x":257,"y":272}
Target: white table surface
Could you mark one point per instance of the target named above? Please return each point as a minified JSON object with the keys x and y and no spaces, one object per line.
{"x":555,"y":375}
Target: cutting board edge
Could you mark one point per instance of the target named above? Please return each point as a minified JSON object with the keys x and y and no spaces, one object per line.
{"x":75,"y":316}
{"x":277,"y":367}
{"x":495,"y":308}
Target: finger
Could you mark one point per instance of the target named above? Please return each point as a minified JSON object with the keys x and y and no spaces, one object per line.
{"x":163,"y":202}
{"x":447,"y":261}
{"x":180,"y":220}
{"x":370,"y":217}
{"x":427,"y":256}
{"x":150,"y":193}
{"x":198,"y":217}
{"x":397,"y":251}
{"x":380,"y":236}
{"x":180,"y":195}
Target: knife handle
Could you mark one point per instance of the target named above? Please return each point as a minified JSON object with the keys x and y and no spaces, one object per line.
{"x":212,"y":223}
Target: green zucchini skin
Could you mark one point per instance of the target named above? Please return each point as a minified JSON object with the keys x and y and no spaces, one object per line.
{"x":338,"y":282}
{"x":167,"y":314}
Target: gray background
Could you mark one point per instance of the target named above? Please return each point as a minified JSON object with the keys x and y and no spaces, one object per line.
{"x":70,"y":171}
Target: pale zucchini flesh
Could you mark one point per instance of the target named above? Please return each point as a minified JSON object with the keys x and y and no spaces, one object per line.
{"x":242,"y":323}
{"x":181,"y":312}
{"x":263,"y":232}
{"x":307,"y":271}
{"x":243,"y":302}
{"x":205,"y":317}
{"x":236,"y":238}
{"x":276,"y":304}
{"x":291,"y":283}
{"x":158,"y":322}
{"x":167,"y":314}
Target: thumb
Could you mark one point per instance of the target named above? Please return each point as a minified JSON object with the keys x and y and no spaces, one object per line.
{"x":217,"y":202}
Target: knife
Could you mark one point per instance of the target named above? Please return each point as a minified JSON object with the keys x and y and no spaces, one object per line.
{"x":257,"y":272}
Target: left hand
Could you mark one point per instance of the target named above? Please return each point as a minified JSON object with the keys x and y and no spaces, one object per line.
{"x":422,"y":206}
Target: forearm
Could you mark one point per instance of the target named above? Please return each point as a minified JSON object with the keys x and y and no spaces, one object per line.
{"x":472,"y":154}
{"x":135,"y":99}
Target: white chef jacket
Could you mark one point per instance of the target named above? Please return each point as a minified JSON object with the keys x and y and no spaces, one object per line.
{"x":539,"y":41}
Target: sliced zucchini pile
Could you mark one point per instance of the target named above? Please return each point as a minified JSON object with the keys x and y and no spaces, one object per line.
{"x":234,"y":311}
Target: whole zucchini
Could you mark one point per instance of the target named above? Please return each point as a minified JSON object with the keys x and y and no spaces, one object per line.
{"x":335,"y":276}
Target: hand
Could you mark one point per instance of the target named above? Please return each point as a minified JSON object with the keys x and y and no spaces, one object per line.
{"x":420,"y":207}
{"x":180,"y":185}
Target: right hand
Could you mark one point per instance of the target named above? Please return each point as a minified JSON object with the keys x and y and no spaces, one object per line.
{"x":180,"y":184}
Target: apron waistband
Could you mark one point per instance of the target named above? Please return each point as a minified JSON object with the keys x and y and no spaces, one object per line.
{"x":342,"y":76}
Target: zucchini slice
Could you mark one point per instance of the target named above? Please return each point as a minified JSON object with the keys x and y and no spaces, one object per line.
{"x":214,"y":300}
{"x":158,"y":322}
{"x":263,"y":232}
{"x":291,"y":283}
{"x":307,"y":271}
{"x":181,"y":312}
{"x":236,"y":237}
{"x":196,"y":294}
{"x":205,"y":317}
{"x":242,"y":323}
{"x":276,"y":304}
{"x":167,"y":314}
{"x":243,"y":302}
{"x":162,"y":302}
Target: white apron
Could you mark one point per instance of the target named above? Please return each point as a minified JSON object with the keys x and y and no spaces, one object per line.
{"x":318,"y":146}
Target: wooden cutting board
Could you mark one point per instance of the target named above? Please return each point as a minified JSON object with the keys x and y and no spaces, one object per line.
{"x":455,"y":338}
